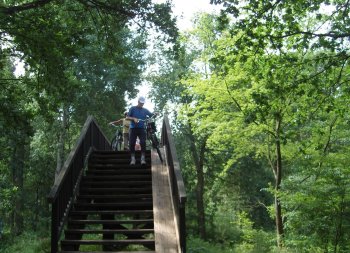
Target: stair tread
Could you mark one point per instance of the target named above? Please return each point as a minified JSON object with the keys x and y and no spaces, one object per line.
{"x":112,"y":221}
{"x":114,"y":212}
{"x":65,"y":251}
{"x":95,"y":231}
{"x":121,"y":160}
{"x":116,"y":172}
{"x":97,"y":190}
{"x":116,"y":158}
{"x":112,"y":184}
{"x":116,"y":177}
{"x":120,"y":166}
{"x":124,"y":241}
{"x":109,"y":152}
{"x":119,"y":196}
{"x":109,"y":204}
{"x":118,"y":183}
{"x":115,"y":188}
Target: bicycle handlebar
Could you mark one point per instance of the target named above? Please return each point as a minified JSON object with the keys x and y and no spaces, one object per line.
{"x":148,"y":118}
{"x":114,"y":125}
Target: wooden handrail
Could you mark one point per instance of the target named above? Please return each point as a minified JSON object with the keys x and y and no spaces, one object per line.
{"x":65,"y":187}
{"x":176,"y":182}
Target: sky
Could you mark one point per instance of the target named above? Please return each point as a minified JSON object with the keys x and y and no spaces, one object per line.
{"x":184,"y":10}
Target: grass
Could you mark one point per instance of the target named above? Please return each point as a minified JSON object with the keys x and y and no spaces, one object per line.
{"x":29,"y":242}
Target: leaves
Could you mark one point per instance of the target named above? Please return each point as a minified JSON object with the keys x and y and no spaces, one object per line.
{"x":269,"y":87}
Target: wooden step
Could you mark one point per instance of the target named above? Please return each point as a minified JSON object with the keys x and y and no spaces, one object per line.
{"x":116,"y":160}
{"x":65,"y":251}
{"x":144,"y":242}
{"x":118,"y":156}
{"x":113,"y":222}
{"x":110,"y":231}
{"x":107,"y":206}
{"x":113,"y":183}
{"x":113,"y":212}
{"x":113,"y":251}
{"x":116,"y":196}
{"x":99,"y":153}
{"x":118,"y":171}
{"x":117,"y":177}
{"x":112,"y":190}
{"x":118,"y":165}
{"x":119,"y":159}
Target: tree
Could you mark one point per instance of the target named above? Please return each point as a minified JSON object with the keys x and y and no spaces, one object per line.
{"x":316,"y":24}
{"x":80,"y":57}
{"x":16,"y":113}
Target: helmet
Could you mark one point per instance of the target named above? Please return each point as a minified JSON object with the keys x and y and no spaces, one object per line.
{"x":142,"y":100}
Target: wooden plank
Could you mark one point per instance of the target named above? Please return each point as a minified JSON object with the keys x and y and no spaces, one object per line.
{"x":166,"y":238}
{"x":108,"y":242}
{"x":107,"y":251}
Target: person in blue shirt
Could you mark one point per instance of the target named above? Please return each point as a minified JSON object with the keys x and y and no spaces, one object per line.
{"x":137,"y":114}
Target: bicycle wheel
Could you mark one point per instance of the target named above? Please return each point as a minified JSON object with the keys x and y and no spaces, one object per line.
{"x":119,"y":144}
{"x":114,"y":144}
{"x":155,"y":144}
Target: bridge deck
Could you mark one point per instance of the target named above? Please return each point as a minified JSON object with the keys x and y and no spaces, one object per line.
{"x":166,"y":237}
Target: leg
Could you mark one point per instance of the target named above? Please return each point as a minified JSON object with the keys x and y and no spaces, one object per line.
{"x":126,"y":141}
{"x":142,"y":137}
{"x":132,"y":141}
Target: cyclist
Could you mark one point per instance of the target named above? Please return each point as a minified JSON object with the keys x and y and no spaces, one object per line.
{"x":137,"y":114}
{"x":126,"y":126}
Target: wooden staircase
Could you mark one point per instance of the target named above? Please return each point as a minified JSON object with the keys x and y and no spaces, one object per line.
{"x":113,"y":211}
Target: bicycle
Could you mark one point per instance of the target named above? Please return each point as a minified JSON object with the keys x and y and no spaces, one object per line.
{"x":151,"y":130}
{"x":117,"y":140}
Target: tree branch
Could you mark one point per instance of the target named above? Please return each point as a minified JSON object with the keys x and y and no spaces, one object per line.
{"x":87,"y":3}
{"x":27,"y":6}
{"x":330,"y":34}
{"x":106,"y":7}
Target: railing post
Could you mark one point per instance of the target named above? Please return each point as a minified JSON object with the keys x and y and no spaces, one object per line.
{"x":183,"y":226}
{"x":54,"y":226}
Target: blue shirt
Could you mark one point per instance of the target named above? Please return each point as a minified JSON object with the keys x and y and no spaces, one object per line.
{"x":139,"y":113}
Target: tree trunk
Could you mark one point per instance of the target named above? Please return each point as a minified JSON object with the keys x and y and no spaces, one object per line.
{"x":200,"y":194}
{"x":339,"y":227}
{"x":17,"y":167}
{"x":278,"y":179}
{"x":61,"y":142}
{"x":198,"y":159}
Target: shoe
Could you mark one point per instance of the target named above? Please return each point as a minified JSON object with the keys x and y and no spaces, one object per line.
{"x":143,"y":160}
{"x":133,"y":161}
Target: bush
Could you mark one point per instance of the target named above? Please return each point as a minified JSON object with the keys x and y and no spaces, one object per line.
{"x":196,"y":245}
{"x":29,"y":242}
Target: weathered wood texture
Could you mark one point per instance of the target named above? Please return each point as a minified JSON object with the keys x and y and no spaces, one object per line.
{"x":166,"y":237}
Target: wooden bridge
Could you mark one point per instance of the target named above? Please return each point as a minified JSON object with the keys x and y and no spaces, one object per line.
{"x":103,"y":204}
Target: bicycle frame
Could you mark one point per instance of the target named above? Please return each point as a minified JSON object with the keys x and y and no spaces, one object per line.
{"x":117,"y":139}
{"x":150,"y":127}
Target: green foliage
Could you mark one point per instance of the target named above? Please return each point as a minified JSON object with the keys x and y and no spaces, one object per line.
{"x":265,"y":90}
{"x":274,"y":78}
{"x":196,"y":245}
{"x":300,"y":24}
{"x":252,"y":240}
{"x":29,"y":242}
